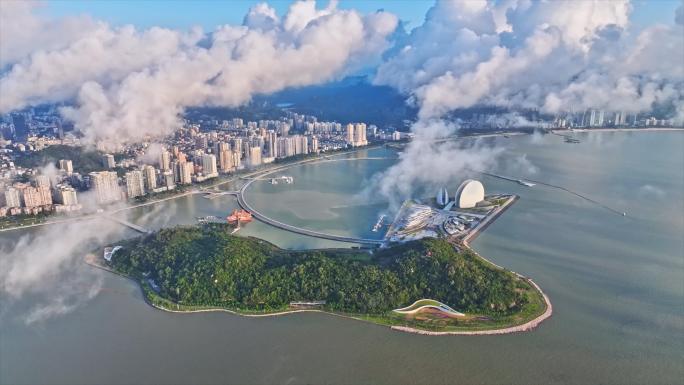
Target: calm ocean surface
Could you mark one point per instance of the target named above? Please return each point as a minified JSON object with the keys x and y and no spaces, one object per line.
{"x":616,"y":284}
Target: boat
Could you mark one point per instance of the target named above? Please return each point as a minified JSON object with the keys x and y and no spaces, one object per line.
{"x":210,"y":219}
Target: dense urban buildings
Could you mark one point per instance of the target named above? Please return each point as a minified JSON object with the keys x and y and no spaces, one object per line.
{"x":199,"y":151}
{"x":207,"y":148}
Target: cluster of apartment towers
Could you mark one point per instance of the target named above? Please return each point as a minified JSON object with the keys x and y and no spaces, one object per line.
{"x":39,"y":196}
{"x":227,"y":157}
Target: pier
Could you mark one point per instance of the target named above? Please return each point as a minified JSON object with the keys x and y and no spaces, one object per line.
{"x":214,"y":195}
{"x":133,"y":226}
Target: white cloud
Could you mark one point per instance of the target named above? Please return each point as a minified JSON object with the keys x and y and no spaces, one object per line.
{"x":554,"y":56}
{"x":47,"y":266}
{"x":129,"y":84}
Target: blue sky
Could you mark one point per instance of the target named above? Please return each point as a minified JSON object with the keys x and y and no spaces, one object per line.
{"x":210,"y":13}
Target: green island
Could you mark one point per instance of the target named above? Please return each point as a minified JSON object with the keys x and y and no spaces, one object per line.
{"x":201,"y":268}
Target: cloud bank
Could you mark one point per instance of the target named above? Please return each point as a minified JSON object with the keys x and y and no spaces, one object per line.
{"x":47,"y":266}
{"x":554,"y":56}
{"x":128,"y":84}
{"x":551,"y":56}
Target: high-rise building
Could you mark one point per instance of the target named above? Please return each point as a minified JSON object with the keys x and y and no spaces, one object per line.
{"x":360,"y":134}
{"x":236,"y":159}
{"x":593,"y":118}
{"x":36,"y":196}
{"x":301,"y":145}
{"x":21,"y":129}
{"x":66,"y":195}
{"x":600,"y":119}
{"x":150,"y":178}
{"x":185,"y":171}
{"x":254,"y":156}
{"x":106,"y":186}
{"x":271,"y":144}
{"x":30,"y":197}
{"x":218,"y":147}
{"x":169,"y":180}
{"x":45,"y":195}
{"x":12,"y":197}
{"x":66,"y":165}
{"x":182,"y":157}
{"x":313,"y":144}
{"x":135,"y":184}
{"x":108,"y":161}
{"x":350,"y":134}
{"x":356,"y":134}
{"x":617,"y":118}
{"x":209,"y":165}
{"x":226,"y":158}
{"x":236,"y":144}
{"x":164,"y":161}
{"x":42,"y":181}
{"x":286,"y":146}
{"x":175,"y":169}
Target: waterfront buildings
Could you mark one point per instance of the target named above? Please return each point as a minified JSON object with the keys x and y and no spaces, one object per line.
{"x":66,"y":195}
{"x":356,"y":134}
{"x":197,"y":151}
{"x":106,"y":186}
{"x":254,"y":156}
{"x":12,"y":197}
{"x":314,"y":145}
{"x":164,"y":161}
{"x":301,"y":144}
{"x":185,"y":171}
{"x":209,"y":166}
{"x":135,"y":184}
{"x":149,"y":177}
{"x":168,"y":180}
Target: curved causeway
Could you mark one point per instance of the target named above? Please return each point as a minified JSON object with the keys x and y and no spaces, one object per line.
{"x":299,"y":230}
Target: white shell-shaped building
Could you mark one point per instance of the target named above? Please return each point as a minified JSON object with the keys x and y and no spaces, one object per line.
{"x":442,"y":197}
{"x":469,"y":193}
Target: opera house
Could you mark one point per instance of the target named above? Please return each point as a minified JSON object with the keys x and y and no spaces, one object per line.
{"x":468,"y":194}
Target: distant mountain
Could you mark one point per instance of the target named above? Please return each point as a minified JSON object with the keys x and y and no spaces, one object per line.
{"x":352,"y":99}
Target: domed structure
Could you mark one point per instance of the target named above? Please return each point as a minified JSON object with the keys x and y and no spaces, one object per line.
{"x":469,"y":193}
{"x":442,"y":197}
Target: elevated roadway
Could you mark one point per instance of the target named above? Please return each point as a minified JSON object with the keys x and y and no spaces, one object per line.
{"x":284,"y":226}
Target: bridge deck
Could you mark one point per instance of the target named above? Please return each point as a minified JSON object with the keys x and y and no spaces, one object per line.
{"x":263,"y":218}
{"x":133,"y":226}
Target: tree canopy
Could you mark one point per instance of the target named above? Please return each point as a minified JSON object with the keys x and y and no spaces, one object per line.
{"x":208,"y":266}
